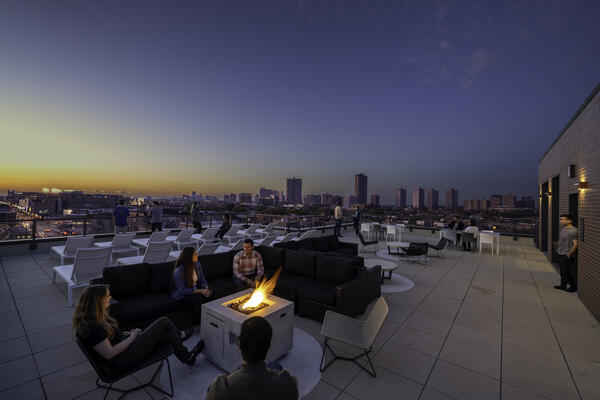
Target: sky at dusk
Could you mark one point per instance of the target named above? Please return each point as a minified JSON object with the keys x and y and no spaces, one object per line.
{"x":228,"y":96}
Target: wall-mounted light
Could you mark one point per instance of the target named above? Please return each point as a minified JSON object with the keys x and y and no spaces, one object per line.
{"x":549,"y":194}
{"x":582,"y":185}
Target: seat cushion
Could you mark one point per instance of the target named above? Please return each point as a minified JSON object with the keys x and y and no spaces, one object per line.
{"x":127,"y":280}
{"x":333,"y":242}
{"x":273,"y":257}
{"x":134,"y":309}
{"x":318,"y":291}
{"x":289,"y":283}
{"x":320,"y":244}
{"x":217,"y":265}
{"x":222,"y":286}
{"x":305,"y":244}
{"x":345,"y":250}
{"x":300,"y":263}
{"x":335,"y":270}
{"x":292,"y":244}
{"x":160,"y":277}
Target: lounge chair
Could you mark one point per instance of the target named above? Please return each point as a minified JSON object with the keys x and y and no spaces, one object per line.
{"x":266,"y":231}
{"x":207,"y":236}
{"x":440,"y":247}
{"x":156,"y":252}
{"x":285,"y":238}
{"x":154,"y":237}
{"x":307,"y":234}
{"x":183,"y":239}
{"x":88,"y":265}
{"x":121,"y":245}
{"x":70,"y":248}
{"x":251,"y":232}
{"x":231,"y":235}
{"x":417,"y":250}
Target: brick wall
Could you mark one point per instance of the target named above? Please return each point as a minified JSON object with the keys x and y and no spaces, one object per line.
{"x":580,"y":145}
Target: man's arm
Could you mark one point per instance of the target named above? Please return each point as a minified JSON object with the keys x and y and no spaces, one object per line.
{"x":236,"y":268}
{"x":259,"y":266}
{"x":573,"y":249}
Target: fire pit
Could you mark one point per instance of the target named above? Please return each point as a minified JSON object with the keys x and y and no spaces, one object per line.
{"x":222,"y":320}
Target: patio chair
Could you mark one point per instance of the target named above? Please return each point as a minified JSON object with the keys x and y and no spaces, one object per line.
{"x":70,"y":248}
{"x":154,"y":237}
{"x":121,"y":244}
{"x":486,"y":238}
{"x":415,"y":250}
{"x":156,"y":252}
{"x":183,"y":239}
{"x":400,"y":228}
{"x":267,"y":229}
{"x":355,"y":332}
{"x":468,"y":237}
{"x":207,"y":236}
{"x":251,"y":232}
{"x":231,"y":235}
{"x":364,"y":243}
{"x":239,"y":245}
{"x":440,"y":247}
{"x":88,"y":265}
{"x":267,"y":241}
{"x":377,"y":231}
{"x":285,"y":238}
{"x":392,"y":232}
{"x":365,"y":229}
{"x":108,"y":375}
{"x":449,"y":234}
{"x":207,"y":248}
{"x":307,"y":234}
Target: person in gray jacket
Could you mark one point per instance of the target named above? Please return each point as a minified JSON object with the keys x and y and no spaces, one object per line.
{"x":156,"y":217}
{"x":255,"y":379}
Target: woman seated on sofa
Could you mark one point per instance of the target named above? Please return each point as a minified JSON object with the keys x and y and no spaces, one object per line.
{"x":123,"y":350}
{"x":188,"y":282}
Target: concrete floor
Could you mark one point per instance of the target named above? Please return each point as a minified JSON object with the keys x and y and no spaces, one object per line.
{"x":473,"y":327}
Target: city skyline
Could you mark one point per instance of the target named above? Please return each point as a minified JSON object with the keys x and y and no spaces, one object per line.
{"x":217,"y":98}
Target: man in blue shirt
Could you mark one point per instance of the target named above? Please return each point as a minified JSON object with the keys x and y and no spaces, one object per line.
{"x":121,"y":213}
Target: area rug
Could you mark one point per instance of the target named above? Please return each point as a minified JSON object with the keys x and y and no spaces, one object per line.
{"x":191,"y":383}
{"x":398,"y":283}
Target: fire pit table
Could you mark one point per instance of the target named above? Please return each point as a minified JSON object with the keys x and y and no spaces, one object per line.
{"x":222,"y":320}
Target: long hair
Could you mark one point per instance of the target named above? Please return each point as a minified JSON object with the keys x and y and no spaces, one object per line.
{"x":186,"y":258}
{"x":89,"y":309}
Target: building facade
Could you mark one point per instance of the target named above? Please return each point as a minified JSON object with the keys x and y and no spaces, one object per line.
{"x":569,"y":182}
{"x":432,"y":199}
{"x":294,"y":190}
{"x":509,"y":201}
{"x":418,"y":200}
{"x":360,"y":188}
{"x":400,"y":198}
{"x":451,"y":198}
{"x":375,"y":200}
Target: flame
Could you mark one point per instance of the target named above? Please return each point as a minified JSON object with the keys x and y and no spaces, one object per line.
{"x":264,"y":288}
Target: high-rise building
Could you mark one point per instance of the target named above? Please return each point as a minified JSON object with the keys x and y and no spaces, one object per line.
{"x":401,"y":198}
{"x":294,"y":190}
{"x":472,"y":205}
{"x":418,"y":200}
{"x":495,"y":201}
{"x":451,"y":198}
{"x":360,"y":188}
{"x":483,"y":204}
{"x":432,"y":199}
{"x":312,"y":199}
{"x":245,"y":198}
{"x":349,"y":201}
{"x":527,"y":202}
{"x":375,"y":200}
{"x":232,"y":197}
{"x":510,"y":201}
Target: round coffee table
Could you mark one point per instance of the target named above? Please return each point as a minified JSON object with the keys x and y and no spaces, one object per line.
{"x":386,"y":266}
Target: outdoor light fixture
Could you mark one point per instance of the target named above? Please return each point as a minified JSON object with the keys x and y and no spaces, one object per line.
{"x":549,"y":194}
{"x":582,"y":185}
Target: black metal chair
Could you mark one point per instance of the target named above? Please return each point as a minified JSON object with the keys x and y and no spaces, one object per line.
{"x":415,"y":250}
{"x":110,"y":376}
{"x":440,"y":247}
{"x":364,"y":243}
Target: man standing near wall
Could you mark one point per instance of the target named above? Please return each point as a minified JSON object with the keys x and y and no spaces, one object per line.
{"x":121,"y":213}
{"x":337,"y":214}
{"x":566,"y":248}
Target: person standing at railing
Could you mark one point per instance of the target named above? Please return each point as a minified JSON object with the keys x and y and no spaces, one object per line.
{"x":196,"y":215}
{"x":121,"y":213}
{"x":156,"y":217}
{"x":356,"y":220}
{"x":338,"y":214}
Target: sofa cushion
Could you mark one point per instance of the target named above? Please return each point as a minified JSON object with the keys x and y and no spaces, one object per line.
{"x":333,"y":242}
{"x":217,"y":265}
{"x":289,"y":283}
{"x":335,"y":270}
{"x":345,"y":250}
{"x":273,"y":257}
{"x":160,"y":277}
{"x":134,"y":309}
{"x":128,"y":280}
{"x":300,"y":263}
{"x":305,"y":244}
{"x":322,"y":292}
{"x":292,"y":244}
{"x":320,"y":244}
{"x":222,"y":286}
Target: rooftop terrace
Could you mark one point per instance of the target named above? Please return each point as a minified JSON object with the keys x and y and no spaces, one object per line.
{"x":473,"y":327}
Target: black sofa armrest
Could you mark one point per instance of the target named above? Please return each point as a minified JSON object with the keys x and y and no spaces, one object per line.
{"x":350,"y":296}
{"x":114,"y":308}
{"x":353,"y":246}
{"x":372,"y":284}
